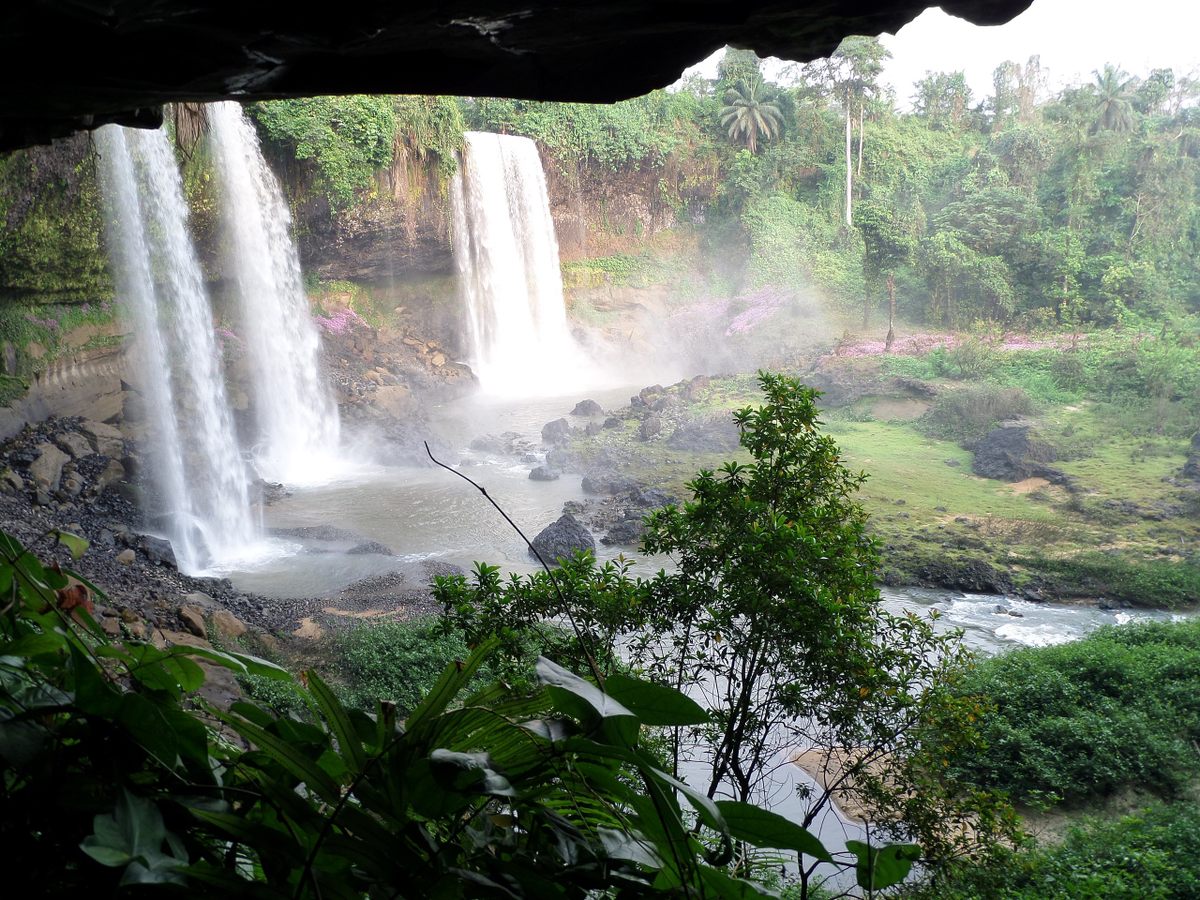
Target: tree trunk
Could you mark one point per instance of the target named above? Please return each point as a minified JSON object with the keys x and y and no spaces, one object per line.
{"x":891,"y":335}
{"x":860,"y":141}
{"x":849,"y":171}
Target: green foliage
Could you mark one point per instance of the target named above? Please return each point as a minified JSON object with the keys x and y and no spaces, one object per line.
{"x":1153,"y":855}
{"x":394,"y":661}
{"x":971,"y":411}
{"x":642,"y":131}
{"x":773,"y":598}
{"x":347,"y":138}
{"x":1120,"y":708}
{"x":112,"y":782}
{"x":1154,"y":583}
{"x":431,"y":129}
{"x":50,"y":226}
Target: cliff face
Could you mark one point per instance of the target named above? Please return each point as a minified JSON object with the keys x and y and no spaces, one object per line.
{"x":404,"y":231}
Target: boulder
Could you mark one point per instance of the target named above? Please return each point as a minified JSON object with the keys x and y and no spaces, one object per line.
{"x":587,"y":408}
{"x":227,"y":625}
{"x":592,"y":429}
{"x":718,"y":434}
{"x":598,"y":482}
{"x":650,"y":428}
{"x":107,"y":440}
{"x":563,"y":538}
{"x":612,"y":422}
{"x":157,"y":550}
{"x":543,"y":473}
{"x":11,"y":482}
{"x":74,"y":444}
{"x":1011,"y":452}
{"x":395,"y":400}
{"x":556,"y":432}
{"x":192,"y":618}
{"x":627,"y":532}
{"x":370,"y":547}
{"x":46,"y":469}
{"x":126,"y":557}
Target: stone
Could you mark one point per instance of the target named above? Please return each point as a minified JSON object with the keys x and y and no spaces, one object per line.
{"x":74,"y":444}
{"x":587,"y":408}
{"x":591,"y":429}
{"x":543,"y":473}
{"x":1011,"y":452}
{"x":105,"y":438}
{"x":556,"y":432}
{"x":192,"y":618}
{"x":563,"y":538}
{"x":11,"y":482}
{"x":612,"y":422}
{"x":437,"y":360}
{"x":370,"y":547}
{"x":46,"y":469}
{"x":627,"y":532}
{"x":650,"y":428}
{"x":600,"y":482}
{"x":111,"y":626}
{"x":200,"y":599}
{"x":157,"y":550}
{"x":718,"y":434}
{"x":227,"y":625}
{"x":395,"y":400}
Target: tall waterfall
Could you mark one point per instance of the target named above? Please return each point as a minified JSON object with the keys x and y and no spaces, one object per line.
{"x":508,"y":268}
{"x":296,"y":413}
{"x":201,"y":482}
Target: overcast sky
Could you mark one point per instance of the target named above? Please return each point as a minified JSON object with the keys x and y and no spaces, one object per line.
{"x":1073,"y":37}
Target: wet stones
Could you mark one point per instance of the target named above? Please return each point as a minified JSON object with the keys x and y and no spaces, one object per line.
{"x":587,"y":408}
{"x":563,"y":538}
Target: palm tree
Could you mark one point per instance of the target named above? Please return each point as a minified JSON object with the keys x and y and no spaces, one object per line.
{"x":750,"y":110}
{"x":1114,"y":100}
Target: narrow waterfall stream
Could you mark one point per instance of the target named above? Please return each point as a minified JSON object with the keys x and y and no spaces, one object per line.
{"x":202,"y":501}
{"x":296,"y":414}
{"x":506,"y":254}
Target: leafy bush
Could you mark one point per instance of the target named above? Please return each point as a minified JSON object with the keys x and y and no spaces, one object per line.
{"x":395,"y":661}
{"x":1154,"y":855}
{"x":1153,"y":583}
{"x":1083,"y":720}
{"x":971,"y":411}
{"x":348,"y":138}
{"x":111,"y":783}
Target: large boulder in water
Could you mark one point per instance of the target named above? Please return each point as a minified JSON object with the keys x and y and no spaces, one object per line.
{"x":556,"y":432}
{"x":1012,"y":452}
{"x":587,"y":408}
{"x":563,"y":539}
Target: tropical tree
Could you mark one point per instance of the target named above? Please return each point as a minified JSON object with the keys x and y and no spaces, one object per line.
{"x":1114,"y":100}
{"x":751,"y":110}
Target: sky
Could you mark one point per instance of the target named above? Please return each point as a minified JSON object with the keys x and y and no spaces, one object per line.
{"x":1073,"y":37}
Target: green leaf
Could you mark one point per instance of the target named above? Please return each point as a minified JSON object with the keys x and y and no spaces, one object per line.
{"x":560,"y":681}
{"x":882,"y":867}
{"x":295,"y":762}
{"x":454,"y":678}
{"x":242,"y":663}
{"x":34,"y":644}
{"x":339,"y":723}
{"x":654,"y":704}
{"x":763,"y":828}
{"x":75,"y":545}
{"x":132,"y":836}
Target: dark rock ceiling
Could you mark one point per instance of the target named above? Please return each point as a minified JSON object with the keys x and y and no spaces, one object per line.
{"x":72,"y":64}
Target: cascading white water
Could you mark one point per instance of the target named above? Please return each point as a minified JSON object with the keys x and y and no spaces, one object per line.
{"x":202,"y":486}
{"x":296,"y":413}
{"x":508,"y":268}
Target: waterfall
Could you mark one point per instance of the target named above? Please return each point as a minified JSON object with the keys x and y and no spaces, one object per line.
{"x":295,"y":411}
{"x":201,"y":485}
{"x":508,"y":268}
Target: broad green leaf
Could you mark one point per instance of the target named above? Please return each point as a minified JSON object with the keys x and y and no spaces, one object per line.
{"x":339,"y":723}
{"x":556,"y":677}
{"x":75,"y":545}
{"x":654,"y":704}
{"x":764,"y":828}
{"x":882,"y":867}
{"x":132,"y":836}
{"x":34,"y":644}
{"x":294,"y":761}
{"x":455,"y":677}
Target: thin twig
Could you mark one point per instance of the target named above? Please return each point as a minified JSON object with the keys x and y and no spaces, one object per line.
{"x":566,"y":607}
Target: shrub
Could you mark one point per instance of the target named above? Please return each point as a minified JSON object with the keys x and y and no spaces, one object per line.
{"x":1154,"y":855}
{"x":1084,"y":720}
{"x":971,"y":411}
